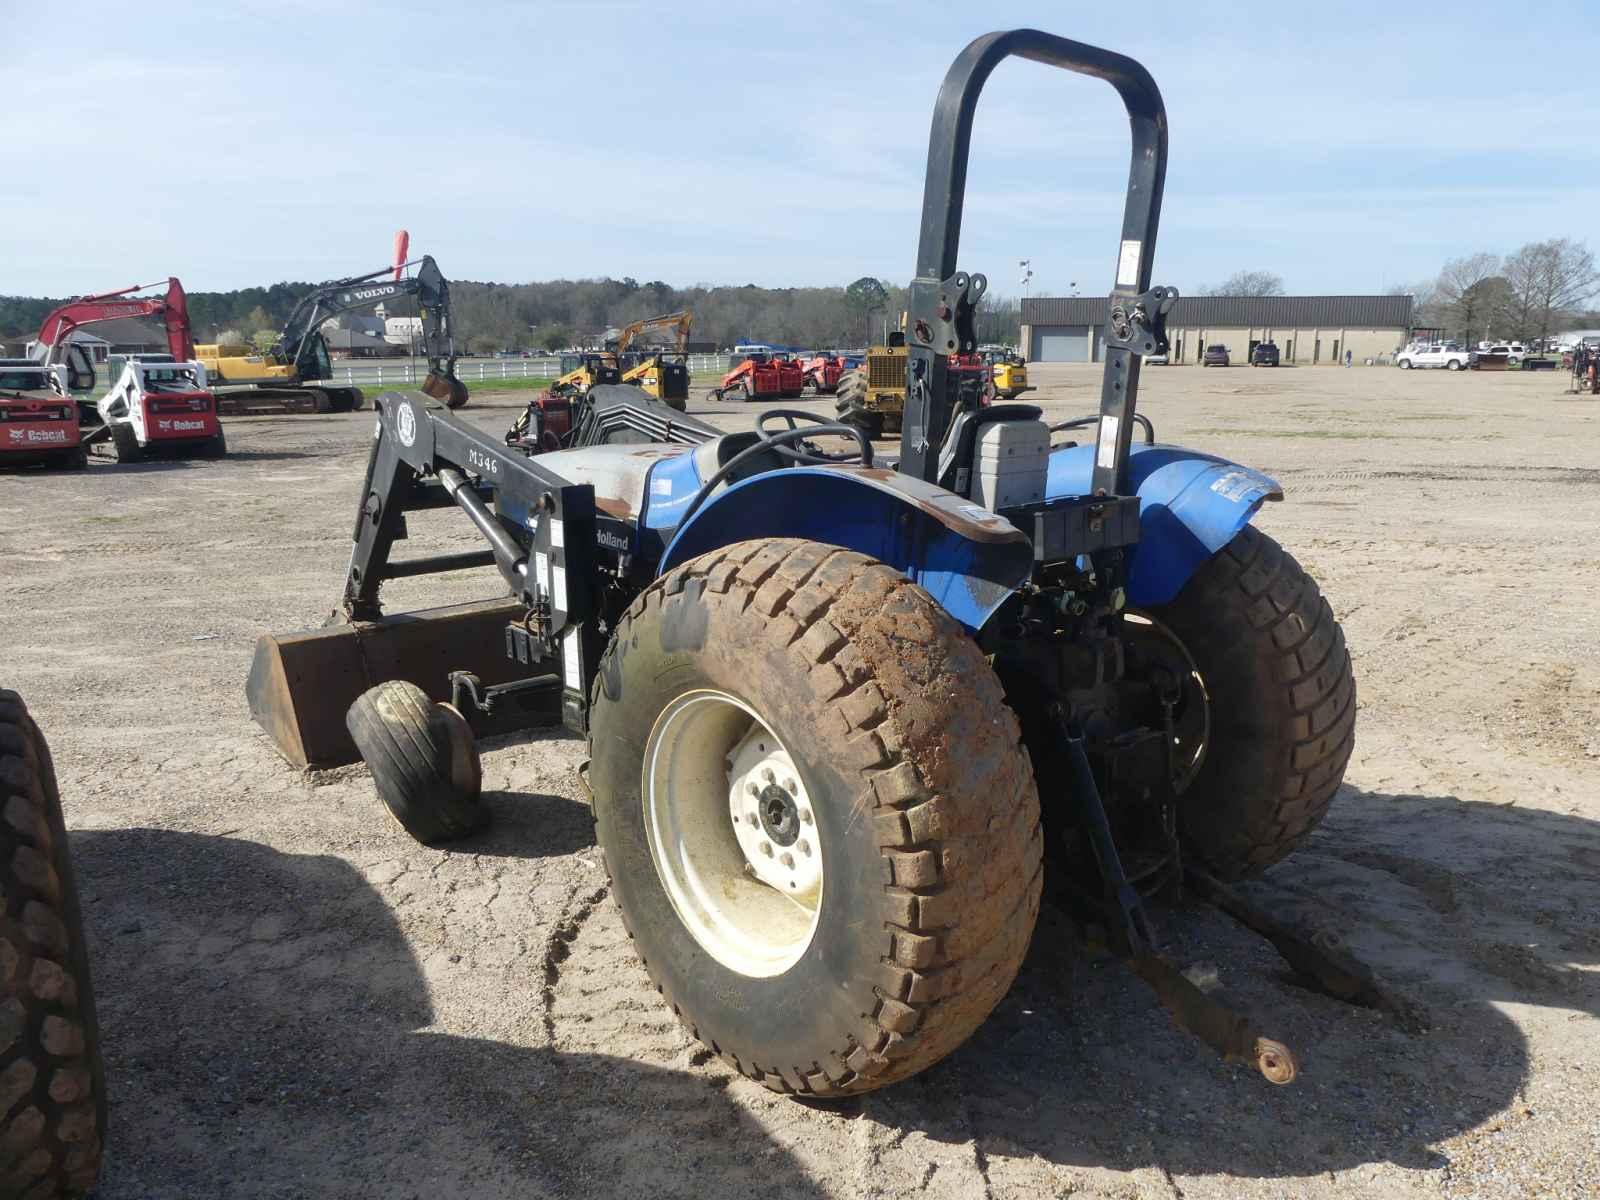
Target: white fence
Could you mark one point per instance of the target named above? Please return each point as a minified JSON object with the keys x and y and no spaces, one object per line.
{"x":381,"y":373}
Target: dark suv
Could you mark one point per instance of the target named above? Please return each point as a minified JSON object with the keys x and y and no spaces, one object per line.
{"x":1264,"y":355}
{"x":1215,"y":356}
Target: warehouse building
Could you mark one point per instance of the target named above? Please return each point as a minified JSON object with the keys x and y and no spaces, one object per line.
{"x":1308,"y":330}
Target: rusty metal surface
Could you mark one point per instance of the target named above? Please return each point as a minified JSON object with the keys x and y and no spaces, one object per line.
{"x":1218,"y":1026}
{"x":1314,"y":949}
{"x":301,"y":684}
{"x":970,"y":520}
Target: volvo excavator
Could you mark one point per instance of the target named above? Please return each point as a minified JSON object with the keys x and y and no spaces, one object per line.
{"x":282,"y":379}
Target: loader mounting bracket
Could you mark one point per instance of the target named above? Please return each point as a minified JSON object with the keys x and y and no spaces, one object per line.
{"x":1138,"y":324}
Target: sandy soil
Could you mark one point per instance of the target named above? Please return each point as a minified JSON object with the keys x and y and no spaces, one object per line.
{"x":298,"y":1001}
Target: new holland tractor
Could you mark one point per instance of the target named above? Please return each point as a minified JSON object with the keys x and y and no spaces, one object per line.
{"x":850,"y":717}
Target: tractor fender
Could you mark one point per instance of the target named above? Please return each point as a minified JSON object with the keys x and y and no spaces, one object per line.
{"x":1190,"y":506}
{"x":968,"y":559}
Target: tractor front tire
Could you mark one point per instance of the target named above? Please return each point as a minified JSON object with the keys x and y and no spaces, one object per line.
{"x":423,"y":759}
{"x":52,"y":1083}
{"x":781,"y":712}
{"x":126,"y":444}
{"x":1281,"y":698}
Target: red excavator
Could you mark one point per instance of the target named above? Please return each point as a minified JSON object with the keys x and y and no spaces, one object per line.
{"x":52,"y":346}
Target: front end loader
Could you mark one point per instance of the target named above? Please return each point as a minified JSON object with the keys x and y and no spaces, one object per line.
{"x":850,"y":719}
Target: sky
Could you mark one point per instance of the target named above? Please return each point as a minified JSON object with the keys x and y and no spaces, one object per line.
{"x":1350,"y":150}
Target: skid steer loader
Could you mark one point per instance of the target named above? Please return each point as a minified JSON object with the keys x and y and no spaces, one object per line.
{"x":848,"y":717}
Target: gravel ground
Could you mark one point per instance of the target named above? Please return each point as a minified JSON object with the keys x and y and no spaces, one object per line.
{"x":296,"y":1000}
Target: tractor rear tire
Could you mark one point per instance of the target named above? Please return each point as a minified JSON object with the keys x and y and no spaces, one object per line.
{"x":1282,"y":704}
{"x":126,"y":444}
{"x":52,"y":1083}
{"x":423,"y":759}
{"x":910,"y":787}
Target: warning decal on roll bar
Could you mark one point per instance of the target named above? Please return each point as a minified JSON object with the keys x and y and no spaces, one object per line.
{"x":1128,"y":265}
{"x":1106,"y":454}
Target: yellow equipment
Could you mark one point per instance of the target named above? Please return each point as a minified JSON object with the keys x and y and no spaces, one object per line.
{"x":1010,"y":374}
{"x":873,"y":395}
{"x":580,"y":372}
{"x":663,"y":374}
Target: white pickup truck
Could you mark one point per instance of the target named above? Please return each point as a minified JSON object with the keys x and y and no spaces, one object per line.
{"x":1433,"y":356}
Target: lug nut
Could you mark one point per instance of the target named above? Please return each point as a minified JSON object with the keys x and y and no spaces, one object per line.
{"x":753,"y":819}
{"x":794,"y":788}
{"x":803,"y":846}
{"x":754,"y":790}
{"x":766,"y":848}
{"x":787,"y":860}
{"x":768,"y":775}
{"x":805,"y":815}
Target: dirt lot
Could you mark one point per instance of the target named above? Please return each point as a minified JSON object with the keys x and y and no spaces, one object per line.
{"x":296,"y":1000}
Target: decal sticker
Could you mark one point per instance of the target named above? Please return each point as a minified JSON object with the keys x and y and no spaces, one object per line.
{"x":557,"y":533}
{"x":406,"y":425}
{"x":1238,"y":486}
{"x":1128,"y":265}
{"x":1105,"y":455}
{"x":661,"y":487}
{"x":569,"y":660}
{"x":973,"y":512}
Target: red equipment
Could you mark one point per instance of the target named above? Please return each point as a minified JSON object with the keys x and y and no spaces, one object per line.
{"x":973,"y":373}
{"x":756,"y":378}
{"x":402,"y":247}
{"x":37,"y":425}
{"x":172,"y":308}
{"x":791,"y":376}
{"x":822,"y":373}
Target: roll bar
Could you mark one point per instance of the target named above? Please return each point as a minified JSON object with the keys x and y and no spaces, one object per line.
{"x":943,"y":299}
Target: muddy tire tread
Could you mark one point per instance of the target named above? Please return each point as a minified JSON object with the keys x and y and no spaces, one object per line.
{"x":52,"y":1089}
{"x":1293,"y":632}
{"x":938,"y":978}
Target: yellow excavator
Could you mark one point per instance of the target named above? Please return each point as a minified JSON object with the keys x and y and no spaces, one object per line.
{"x":662,"y":373}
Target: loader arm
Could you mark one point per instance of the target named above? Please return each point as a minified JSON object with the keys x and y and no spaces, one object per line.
{"x":679,"y":321}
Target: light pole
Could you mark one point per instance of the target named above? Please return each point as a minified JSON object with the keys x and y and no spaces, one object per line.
{"x":1025,"y":265}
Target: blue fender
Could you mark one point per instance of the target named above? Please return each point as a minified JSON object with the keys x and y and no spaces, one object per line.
{"x":1190,"y":506}
{"x":970,"y":560}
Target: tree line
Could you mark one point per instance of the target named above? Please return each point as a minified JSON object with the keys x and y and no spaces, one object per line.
{"x":1540,"y":290}
{"x":556,"y":314}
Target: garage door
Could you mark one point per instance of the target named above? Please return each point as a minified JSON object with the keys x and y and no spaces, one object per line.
{"x":1061,"y":343}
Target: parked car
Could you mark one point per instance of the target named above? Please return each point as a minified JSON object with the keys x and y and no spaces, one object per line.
{"x":1215,"y":356}
{"x":1513,"y":352}
{"x":1433,"y":356}
{"x":1264,"y":355}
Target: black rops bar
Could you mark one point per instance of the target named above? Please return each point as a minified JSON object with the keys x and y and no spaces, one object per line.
{"x":939,"y":293}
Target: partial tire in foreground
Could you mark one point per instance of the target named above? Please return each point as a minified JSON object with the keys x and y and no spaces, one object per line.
{"x":815,"y":812}
{"x":1282,"y":704}
{"x":52,"y":1084}
{"x":423,"y":760}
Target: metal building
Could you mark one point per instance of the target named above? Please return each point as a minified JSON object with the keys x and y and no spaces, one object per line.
{"x":1308,"y":330}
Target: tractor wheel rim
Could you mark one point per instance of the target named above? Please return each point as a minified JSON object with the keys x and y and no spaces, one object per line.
{"x":732,"y":833}
{"x":1192,"y":720}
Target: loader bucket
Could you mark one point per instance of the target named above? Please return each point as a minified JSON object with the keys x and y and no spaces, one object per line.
{"x":444,"y":387}
{"x":302,"y":684}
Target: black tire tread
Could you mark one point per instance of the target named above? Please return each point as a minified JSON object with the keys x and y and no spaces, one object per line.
{"x":1255,"y":593}
{"x":52,"y":1086}
{"x":409,"y":756}
{"x":964,"y":865}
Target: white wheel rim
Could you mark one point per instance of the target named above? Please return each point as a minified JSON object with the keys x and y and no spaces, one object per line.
{"x":732,"y":833}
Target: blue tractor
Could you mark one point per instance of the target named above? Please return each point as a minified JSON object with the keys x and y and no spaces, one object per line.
{"x":852,"y":715}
